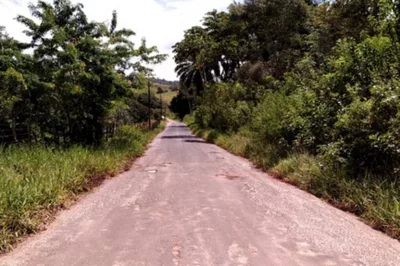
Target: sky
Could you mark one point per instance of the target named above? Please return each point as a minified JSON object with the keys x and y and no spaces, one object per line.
{"x":161,"y":22}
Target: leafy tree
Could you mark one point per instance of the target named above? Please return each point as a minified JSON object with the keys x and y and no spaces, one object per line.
{"x":303,"y":77}
{"x":192,"y":67}
{"x":14,"y":94}
{"x":279,"y":28}
{"x":81,"y":68}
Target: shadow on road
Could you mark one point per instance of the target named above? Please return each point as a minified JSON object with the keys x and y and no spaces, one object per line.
{"x":197,"y":141}
{"x":186,"y":138}
{"x":179,"y":137}
{"x":179,"y":126}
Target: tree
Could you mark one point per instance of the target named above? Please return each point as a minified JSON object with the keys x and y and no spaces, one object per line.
{"x":193,"y":66}
{"x":14,"y":94}
{"x":82,"y":67}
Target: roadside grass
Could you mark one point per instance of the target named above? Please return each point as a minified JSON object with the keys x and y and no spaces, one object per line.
{"x":236,"y":143}
{"x":376,"y":200}
{"x":373,"y":198}
{"x":36,"y":181}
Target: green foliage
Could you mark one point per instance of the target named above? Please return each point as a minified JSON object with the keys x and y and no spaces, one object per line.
{"x":314,"y":95}
{"x":223,"y":106}
{"x":374,"y":199}
{"x":12,"y":89}
{"x":68,"y":88}
{"x":65,"y":91}
{"x":273,"y":127}
{"x":35,"y":180}
{"x":238,"y":142}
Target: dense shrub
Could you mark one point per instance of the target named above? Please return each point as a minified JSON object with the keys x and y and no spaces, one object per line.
{"x":314,"y":95}
{"x":349,"y":119}
{"x":224,"y":106}
{"x":270,"y":127}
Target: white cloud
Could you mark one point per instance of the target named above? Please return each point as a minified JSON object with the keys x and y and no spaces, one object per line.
{"x":161,"y":22}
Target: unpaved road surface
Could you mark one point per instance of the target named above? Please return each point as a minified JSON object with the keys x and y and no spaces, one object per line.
{"x":187,"y":202}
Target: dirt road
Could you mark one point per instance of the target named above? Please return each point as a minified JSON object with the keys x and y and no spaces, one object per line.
{"x":187,"y":202}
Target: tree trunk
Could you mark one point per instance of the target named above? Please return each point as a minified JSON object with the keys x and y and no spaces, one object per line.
{"x":98,"y":132}
{"x":13,"y":127}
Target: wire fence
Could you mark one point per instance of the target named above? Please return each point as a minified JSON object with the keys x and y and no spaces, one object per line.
{"x":8,"y":134}
{"x":21,"y":132}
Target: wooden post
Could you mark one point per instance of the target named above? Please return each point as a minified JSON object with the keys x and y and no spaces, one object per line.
{"x":161,"y":105}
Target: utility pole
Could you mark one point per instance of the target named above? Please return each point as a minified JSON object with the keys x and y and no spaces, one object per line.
{"x":161,"y":105}
{"x":149,"y":98}
{"x":160,"y":91}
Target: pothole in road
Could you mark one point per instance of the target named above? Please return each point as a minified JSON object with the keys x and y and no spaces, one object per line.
{"x":229,"y":177}
{"x":232,"y":177}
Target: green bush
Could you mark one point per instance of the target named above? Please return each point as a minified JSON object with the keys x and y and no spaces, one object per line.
{"x":351,"y":120}
{"x":224,"y":107}
{"x":273,"y":128}
{"x":373,"y":198}
{"x":323,"y":110}
{"x":363,"y":78}
{"x":334,"y":132}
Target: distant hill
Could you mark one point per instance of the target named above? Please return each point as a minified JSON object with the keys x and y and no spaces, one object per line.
{"x":166,"y":82}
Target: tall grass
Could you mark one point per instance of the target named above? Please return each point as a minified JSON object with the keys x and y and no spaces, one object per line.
{"x":375,"y":199}
{"x":37,"y":180}
{"x":235,"y":143}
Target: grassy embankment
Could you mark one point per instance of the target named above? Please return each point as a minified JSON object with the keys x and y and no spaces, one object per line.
{"x":375,"y":199}
{"x":36,"y":181}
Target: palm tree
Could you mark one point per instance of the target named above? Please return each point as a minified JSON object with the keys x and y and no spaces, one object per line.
{"x":190,"y":75}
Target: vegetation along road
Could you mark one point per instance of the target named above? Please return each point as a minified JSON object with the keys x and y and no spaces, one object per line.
{"x":187,"y":202}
